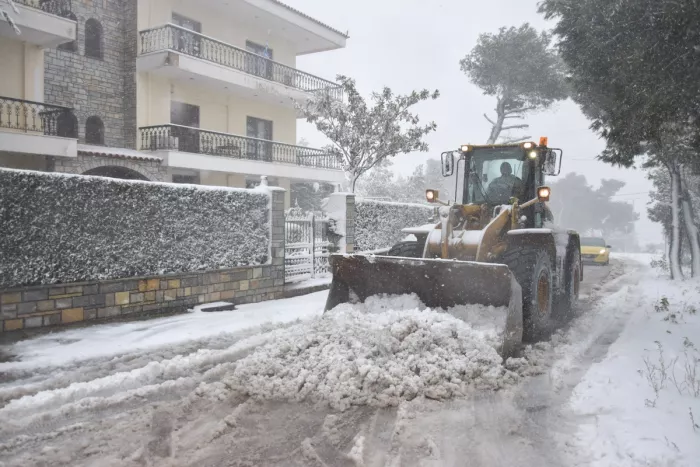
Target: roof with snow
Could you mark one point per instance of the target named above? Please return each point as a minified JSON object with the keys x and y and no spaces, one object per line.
{"x":300,"y":13}
{"x":121,"y":153}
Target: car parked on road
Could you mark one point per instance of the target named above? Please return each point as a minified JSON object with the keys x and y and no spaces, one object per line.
{"x":594,"y":250}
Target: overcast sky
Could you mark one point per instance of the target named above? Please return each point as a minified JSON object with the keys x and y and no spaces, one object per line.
{"x":415,"y":44}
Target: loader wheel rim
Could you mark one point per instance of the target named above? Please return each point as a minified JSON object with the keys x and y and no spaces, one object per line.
{"x":543,"y":294}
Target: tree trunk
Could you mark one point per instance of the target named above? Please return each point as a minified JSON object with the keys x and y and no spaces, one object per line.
{"x":691,"y":229}
{"x":674,"y":259}
{"x":500,"y":118}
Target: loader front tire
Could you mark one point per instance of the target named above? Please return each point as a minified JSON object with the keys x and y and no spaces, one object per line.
{"x":410,"y":249}
{"x":532,"y":268}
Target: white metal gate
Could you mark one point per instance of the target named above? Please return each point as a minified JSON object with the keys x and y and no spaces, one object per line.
{"x":306,"y":245}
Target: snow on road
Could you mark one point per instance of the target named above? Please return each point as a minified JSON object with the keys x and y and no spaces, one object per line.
{"x":276,"y":384}
{"x":641,"y":404}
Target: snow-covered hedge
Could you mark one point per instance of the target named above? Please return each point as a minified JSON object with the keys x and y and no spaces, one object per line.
{"x":60,"y":228}
{"x":378,"y":224}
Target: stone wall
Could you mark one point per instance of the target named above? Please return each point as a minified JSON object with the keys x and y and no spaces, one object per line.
{"x":102,"y":87}
{"x":34,"y":307}
{"x":153,"y":170}
{"x":51,"y":305}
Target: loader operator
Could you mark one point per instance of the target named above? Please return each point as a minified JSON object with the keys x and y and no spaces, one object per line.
{"x":504,"y":187}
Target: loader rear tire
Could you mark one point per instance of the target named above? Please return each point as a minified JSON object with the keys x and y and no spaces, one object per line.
{"x":532,"y":268}
{"x":410,"y":249}
{"x":568,"y":296}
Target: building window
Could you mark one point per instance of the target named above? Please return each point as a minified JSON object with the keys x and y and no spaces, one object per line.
{"x":259,"y":64}
{"x":67,"y":125}
{"x":186,"y":115}
{"x":191,"y":179}
{"x":71,"y":46}
{"x":93,"y":39}
{"x":261,"y":130}
{"x":185,"y":41}
{"x":94,"y":131}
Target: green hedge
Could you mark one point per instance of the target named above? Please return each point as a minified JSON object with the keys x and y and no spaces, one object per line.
{"x":378,"y":224}
{"x":59,"y":228}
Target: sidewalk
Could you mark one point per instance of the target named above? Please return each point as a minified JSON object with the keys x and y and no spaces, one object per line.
{"x":62,"y":347}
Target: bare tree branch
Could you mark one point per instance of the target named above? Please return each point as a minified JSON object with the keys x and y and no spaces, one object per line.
{"x":514,"y":127}
{"x":516,"y":140}
{"x":489,"y":120}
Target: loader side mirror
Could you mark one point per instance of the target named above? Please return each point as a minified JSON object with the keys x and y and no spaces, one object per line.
{"x":448,"y":163}
{"x":552,"y":162}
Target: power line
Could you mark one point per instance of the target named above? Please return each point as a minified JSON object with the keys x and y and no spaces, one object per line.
{"x":631,"y":194}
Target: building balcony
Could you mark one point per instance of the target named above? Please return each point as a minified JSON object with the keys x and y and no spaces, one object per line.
{"x":182,"y":54}
{"x":29,"y":127}
{"x":193,"y":148}
{"x":46,"y":23}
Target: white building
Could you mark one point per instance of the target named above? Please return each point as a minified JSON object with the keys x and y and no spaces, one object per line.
{"x":172,"y":90}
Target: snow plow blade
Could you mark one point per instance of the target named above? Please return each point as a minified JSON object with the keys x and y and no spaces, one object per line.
{"x":438,"y":283}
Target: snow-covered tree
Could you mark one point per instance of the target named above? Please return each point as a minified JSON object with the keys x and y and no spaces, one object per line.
{"x":577,"y":205}
{"x":363,"y":135}
{"x":518,"y":67}
{"x":633,"y":69}
{"x":7,"y":10}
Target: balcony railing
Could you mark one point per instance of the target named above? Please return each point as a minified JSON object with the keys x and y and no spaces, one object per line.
{"x":55,"y":7}
{"x":173,"y":37}
{"x":37,"y":117}
{"x":188,"y":139}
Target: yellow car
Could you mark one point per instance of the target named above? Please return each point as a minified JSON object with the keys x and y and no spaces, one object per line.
{"x":595,"y":251}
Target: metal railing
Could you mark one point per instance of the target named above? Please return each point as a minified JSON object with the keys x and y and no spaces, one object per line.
{"x":61,"y":8}
{"x":30,"y":116}
{"x":187,"y":139}
{"x":173,"y":37}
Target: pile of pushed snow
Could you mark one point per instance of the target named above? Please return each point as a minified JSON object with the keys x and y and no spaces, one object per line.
{"x":379,"y":353}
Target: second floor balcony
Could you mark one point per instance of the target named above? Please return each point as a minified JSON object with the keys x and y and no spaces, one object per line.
{"x":227,"y":152}
{"x":46,"y":23}
{"x":180,"y":53}
{"x":36,"y":128}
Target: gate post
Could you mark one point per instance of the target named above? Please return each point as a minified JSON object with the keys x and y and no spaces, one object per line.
{"x":341,"y":208}
{"x":313,"y":244}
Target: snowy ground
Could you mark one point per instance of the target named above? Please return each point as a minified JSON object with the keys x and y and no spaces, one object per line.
{"x":277,"y":384}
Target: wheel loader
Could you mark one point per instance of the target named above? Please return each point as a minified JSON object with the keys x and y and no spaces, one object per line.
{"x":491,"y":245}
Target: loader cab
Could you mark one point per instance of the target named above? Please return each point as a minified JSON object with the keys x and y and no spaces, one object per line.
{"x":491,"y":175}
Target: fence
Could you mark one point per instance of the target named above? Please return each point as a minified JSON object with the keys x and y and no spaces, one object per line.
{"x":173,"y":37}
{"x":187,"y":139}
{"x":307,"y":245}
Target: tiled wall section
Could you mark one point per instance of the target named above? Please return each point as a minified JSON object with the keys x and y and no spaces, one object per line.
{"x":46,"y":306}
{"x":33,"y":307}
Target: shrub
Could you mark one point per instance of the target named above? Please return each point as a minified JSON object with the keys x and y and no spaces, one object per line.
{"x":59,"y":228}
{"x":378,"y":224}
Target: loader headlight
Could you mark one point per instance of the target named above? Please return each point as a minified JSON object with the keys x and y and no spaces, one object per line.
{"x":532,"y":155}
{"x":431,"y":195}
{"x":543,"y":193}
{"x":602,"y":252}
{"x":465,"y":148}
{"x":528,"y":145}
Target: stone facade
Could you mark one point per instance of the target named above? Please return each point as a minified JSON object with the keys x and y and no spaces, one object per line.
{"x":99,"y":87}
{"x":153,"y":170}
{"x":33,"y":307}
{"x":51,"y":305}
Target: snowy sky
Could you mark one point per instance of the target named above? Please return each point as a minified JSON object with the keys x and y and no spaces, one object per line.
{"x":414,"y":44}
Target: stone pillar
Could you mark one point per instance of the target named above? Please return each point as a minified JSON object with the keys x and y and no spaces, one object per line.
{"x":341,"y":208}
{"x":277,"y":236}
